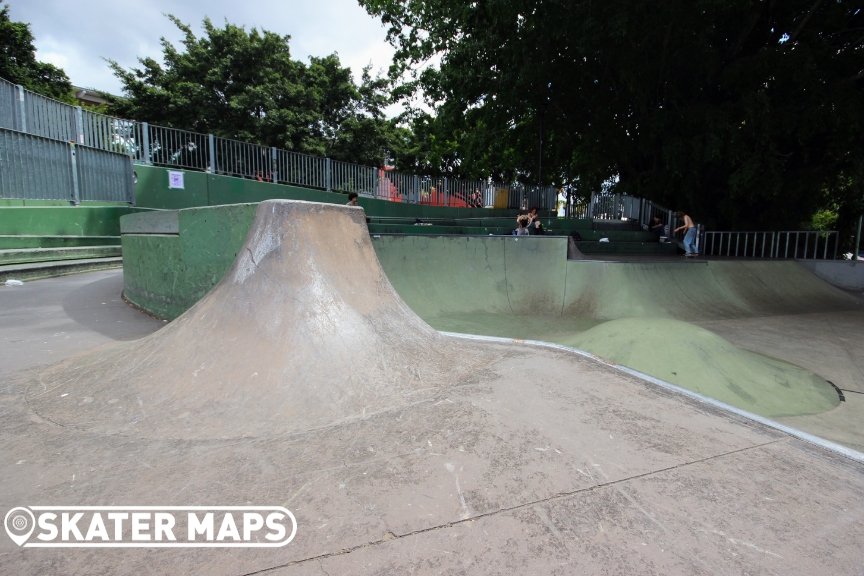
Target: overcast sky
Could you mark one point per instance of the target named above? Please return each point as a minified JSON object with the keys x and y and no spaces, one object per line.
{"x":76,"y":35}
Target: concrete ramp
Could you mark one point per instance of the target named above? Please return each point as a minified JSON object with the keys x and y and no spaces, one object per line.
{"x":452,"y":279}
{"x":304,"y":330}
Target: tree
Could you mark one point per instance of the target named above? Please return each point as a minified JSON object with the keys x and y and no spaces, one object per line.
{"x":18,"y":62}
{"x":244,"y":85}
{"x":747,"y":113}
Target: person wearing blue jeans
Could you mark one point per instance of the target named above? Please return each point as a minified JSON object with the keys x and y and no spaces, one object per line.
{"x":689,"y":235}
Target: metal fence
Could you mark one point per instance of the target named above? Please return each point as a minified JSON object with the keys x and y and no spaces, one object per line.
{"x":39,"y":168}
{"x":26,"y":111}
{"x":801,"y":244}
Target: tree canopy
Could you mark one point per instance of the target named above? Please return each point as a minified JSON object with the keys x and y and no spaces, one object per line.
{"x":18,"y":62}
{"x":746,"y":113}
{"x":244,"y":85}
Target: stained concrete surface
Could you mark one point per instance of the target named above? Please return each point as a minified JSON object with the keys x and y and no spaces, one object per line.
{"x":538,"y":461}
{"x":827,"y":343}
{"x":45,"y":321}
{"x":679,"y":352}
{"x":578,"y":468}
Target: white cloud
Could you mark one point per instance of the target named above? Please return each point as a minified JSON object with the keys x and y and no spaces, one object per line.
{"x":77,"y":35}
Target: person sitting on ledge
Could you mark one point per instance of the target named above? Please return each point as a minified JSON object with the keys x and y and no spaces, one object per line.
{"x":521,"y":226}
{"x":535,"y":228}
{"x":519,"y":216}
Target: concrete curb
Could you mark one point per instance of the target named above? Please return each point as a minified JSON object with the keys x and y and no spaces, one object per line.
{"x":40,"y":270}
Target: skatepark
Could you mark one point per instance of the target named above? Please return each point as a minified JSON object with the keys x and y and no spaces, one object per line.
{"x":191,"y":322}
{"x":322,"y":373}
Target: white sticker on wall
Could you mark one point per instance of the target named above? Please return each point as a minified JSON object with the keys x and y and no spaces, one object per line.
{"x":175,"y":180}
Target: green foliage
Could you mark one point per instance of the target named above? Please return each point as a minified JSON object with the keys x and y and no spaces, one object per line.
{"x":244,"y":85}
{"x":18,"y":62}
{"x":822,"y":220}
{"x":748,"y":114}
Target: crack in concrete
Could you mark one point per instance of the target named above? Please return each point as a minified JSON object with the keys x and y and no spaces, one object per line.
{"x":518,"y":507}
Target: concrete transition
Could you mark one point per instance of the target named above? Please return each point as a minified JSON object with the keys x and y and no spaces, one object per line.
{"x":303,"y":380}
{"x":297,"y":334}
{"x":687,"y":355}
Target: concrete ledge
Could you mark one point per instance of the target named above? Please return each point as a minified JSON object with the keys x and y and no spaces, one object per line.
{"x":29,"y":255}
{"x":51,"y":269}
{"x":161,"y":222}
{"x":23,"y":241}
{"x":845,"y":274}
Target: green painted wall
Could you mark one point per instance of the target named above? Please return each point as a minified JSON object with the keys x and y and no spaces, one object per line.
{"x":155,"y":279}
{"x":83,"y":220}
{"x":151,"y":189}
{"x":165,"y":274}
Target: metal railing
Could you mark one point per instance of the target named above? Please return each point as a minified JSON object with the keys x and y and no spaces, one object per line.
{"x":800,"y":244}
{"x":28,"y":112}
{"x":40,"y":168}
{"x":626,"y":208}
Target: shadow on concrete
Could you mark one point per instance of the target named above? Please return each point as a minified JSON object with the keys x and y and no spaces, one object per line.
{"x":100,"y":307}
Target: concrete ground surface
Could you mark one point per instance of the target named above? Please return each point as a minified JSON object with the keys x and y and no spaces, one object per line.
{"x":469,"y":458}
{"x":48,"y":320}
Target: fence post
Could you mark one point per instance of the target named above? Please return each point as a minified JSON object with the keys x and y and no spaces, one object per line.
{"x":79,"y":124}
{"x":327,"y":174}
{"x":76,"y":194}
{"x":134,"y":200}
{"x":857,"y":240}
{"x":145,"y":127}
{"x":275,"y":166}
{"x":22,"y":111}
{"x":212,"y":153}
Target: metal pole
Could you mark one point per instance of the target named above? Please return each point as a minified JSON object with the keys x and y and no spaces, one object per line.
{"x":212,"y":142}
{"x":540,"y":159}
{"x":134,"y":199}
{"x":275,"y":165}
{"x":21,"y":108}
{"x":79,"y":124}
{"x":327,"y":174}
{"x":145,"y":137}
{"x":857,"y":240}
{"x":76,"y":195}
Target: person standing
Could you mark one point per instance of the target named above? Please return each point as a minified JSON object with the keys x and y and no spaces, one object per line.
{"x":657,"y":228}
{"x":689,"y":235}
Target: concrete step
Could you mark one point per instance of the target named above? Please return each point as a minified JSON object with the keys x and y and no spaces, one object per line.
{"x":35,"y":271}
{"x":622,"y":225}
{"x":13,"y":242}
{"x":627,"y":248}
{"x":588,"y":235}
{"x":26,"y":255}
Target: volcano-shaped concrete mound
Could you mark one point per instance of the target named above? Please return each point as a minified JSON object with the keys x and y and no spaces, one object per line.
{"x":304,"y":330}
